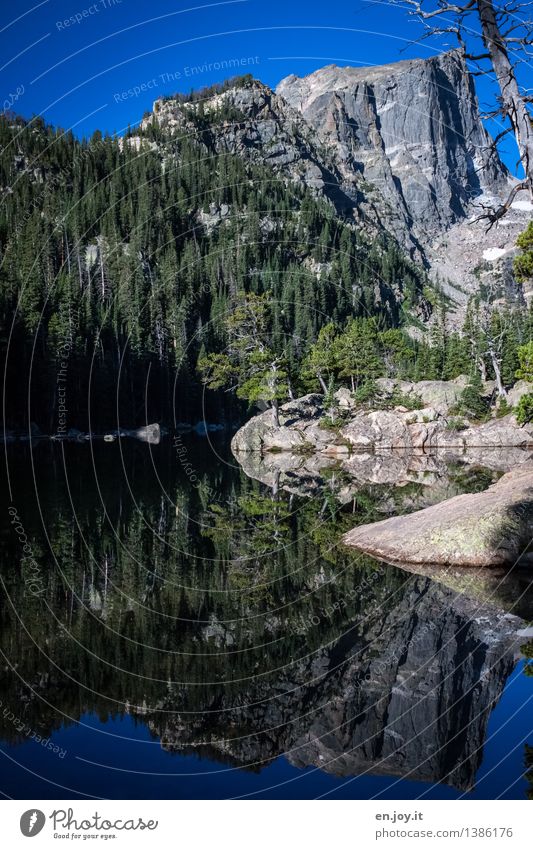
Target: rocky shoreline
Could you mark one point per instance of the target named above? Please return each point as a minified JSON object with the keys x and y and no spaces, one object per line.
{"x":399,"y":445}
{"x":428,"y":424}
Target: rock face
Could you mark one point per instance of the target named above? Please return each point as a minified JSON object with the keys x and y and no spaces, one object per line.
{"x":267,"y":130}
{"x":400,"y":147}
{"x":490,"y":528}
{"x":411,"y":129}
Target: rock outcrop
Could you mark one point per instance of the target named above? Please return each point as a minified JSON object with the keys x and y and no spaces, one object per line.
{"x":304,"y":427}
{"x":400,"y":147}
{"x":491,"y":528}
{"x":411,"y":129}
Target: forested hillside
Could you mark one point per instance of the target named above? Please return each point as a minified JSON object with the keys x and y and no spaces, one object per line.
{"x":120,"y":260}
{"x":135,"y":270}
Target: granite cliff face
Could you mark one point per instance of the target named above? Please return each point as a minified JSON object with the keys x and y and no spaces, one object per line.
{"x":398,"y":147}
{"x":411,"y":130}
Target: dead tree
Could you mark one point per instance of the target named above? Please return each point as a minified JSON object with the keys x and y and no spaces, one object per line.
{"x":500,"y":34}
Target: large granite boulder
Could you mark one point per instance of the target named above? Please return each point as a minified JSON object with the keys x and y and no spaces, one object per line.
{"x":440,"y":395}
{"x":262,"y":434}
{"x":379,"y":429}
{"x":503,"y":433}
{"x":521,"y":388}
{"x":490,"y":528}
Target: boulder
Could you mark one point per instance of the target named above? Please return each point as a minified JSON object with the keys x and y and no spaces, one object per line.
{"x":439,"y":394}
{"x":380,"y":429}
{"x":388,"y":386}
{"x":521,"y":388}
{"x":262,"y":434}
{"x":490,"y":528}
{"x":149,"y":433}
{"x":426,"y":435}
{"x":496,"y":433}
{"x":302,"y":410}
{"x":344,"y":398}
{"x":426,"y":414}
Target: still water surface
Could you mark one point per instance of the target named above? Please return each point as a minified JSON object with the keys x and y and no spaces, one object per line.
{"x":180,"y":630}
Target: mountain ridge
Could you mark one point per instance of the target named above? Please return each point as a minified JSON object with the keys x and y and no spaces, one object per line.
{"x":428,"y":163}
{"x":359,"y":137}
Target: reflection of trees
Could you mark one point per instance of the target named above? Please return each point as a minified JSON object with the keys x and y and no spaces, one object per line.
{"x":226,"y":594}
{"x":528,"y":761}
{"x":214,"y":583}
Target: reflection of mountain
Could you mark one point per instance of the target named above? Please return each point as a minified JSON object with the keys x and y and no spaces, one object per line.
{"x":284,"y":643}
{"x":407,"y":694}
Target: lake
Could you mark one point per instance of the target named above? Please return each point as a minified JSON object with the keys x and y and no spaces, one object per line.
{"x":171,"y":627}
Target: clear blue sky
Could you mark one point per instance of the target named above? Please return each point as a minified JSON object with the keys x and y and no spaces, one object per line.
{"x":77,"y":73}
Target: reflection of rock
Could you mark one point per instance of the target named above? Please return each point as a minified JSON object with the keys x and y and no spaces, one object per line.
{"x":431,"y":472}
{"x":407,"y":691}
{"x":490,"y":528}
{"x":500,"y":459}
{"x":511,"y":590}
{"x":296,"y":473}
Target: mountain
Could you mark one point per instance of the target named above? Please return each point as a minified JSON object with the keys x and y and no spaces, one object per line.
{"x":350,"y":193}
{"x":402,"y":145}
{"x":411,"y":130}
{"x":399,"y":148}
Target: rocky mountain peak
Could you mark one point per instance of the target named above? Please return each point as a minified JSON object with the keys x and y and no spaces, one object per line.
{"x":413,"y":132}
{"x":398,"y":147}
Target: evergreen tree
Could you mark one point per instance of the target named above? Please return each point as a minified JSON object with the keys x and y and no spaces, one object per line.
{"x":523,"y":264}
{"x":357,"y":352}
{"x":321,"y":360}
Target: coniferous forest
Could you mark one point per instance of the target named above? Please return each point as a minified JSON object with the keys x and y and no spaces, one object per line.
{"x":267,"y":402}
{"x":125,"y":261}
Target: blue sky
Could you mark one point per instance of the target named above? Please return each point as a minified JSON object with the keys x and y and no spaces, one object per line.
{"x":100,"y":64}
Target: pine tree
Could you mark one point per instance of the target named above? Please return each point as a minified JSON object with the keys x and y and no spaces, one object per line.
{"x":357,"y":352}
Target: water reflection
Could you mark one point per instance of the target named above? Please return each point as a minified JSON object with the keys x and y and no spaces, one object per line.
{"x":222,"y":614}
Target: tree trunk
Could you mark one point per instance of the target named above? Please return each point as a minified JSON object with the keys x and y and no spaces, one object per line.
{"x":513,"y":103}
{"x":275,"y":412}
{"x":322,"y":383}
{"x":497,"y":372}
